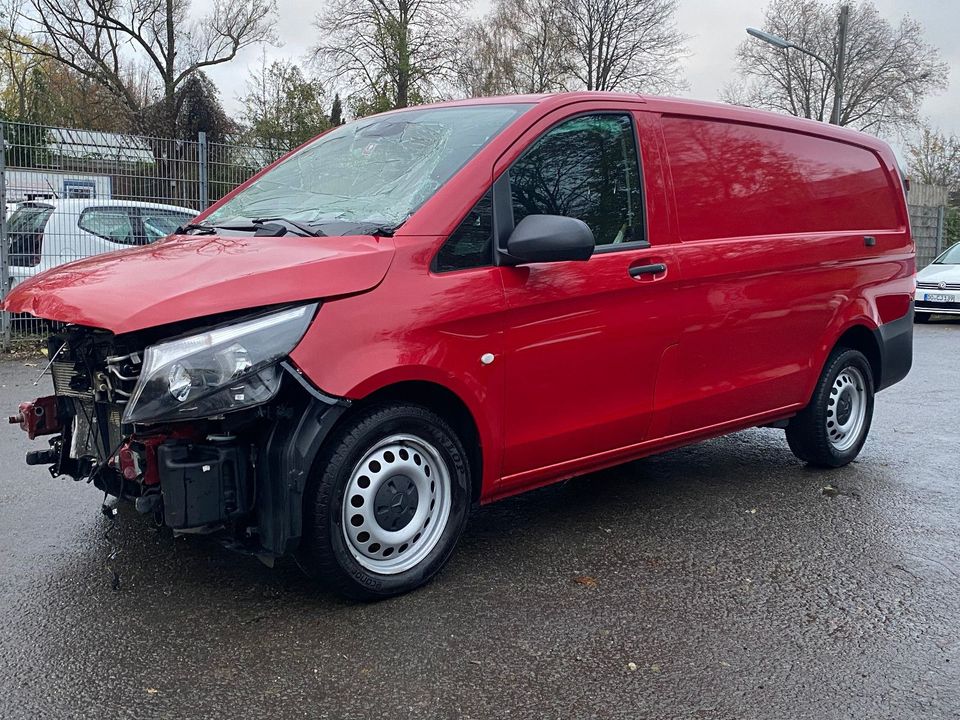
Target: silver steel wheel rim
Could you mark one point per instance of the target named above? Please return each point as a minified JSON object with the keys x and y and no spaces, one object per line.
{"x":846,"y":409}
{"x":378,"y":498}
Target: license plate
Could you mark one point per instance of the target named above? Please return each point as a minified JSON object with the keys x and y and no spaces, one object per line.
{"x":937,"y":297}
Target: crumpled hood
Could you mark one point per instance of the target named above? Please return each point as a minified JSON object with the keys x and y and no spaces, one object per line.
{"x":191,"y":276}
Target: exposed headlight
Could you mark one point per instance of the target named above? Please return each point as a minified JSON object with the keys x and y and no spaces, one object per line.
{"x":217,"y":371}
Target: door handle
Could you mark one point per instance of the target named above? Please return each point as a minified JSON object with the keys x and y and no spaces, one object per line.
{"x":652,"y":269}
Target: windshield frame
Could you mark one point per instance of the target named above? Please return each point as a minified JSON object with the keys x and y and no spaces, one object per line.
{"x":952,"y":250}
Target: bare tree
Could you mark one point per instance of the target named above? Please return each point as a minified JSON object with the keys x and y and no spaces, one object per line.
{"x":520,"y":46}
{"x":625,"y":44}
{"x":395,"y":52}
{"x":887,"y":72}
{"x":934,"y":158}
{"x":36,"y":89}
{"x":141,"y":49}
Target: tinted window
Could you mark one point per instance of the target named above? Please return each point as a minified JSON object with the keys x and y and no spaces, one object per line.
{"x":471,"y":244}
{"x":584,"y":168}
{"x":160,"y":223}
{"x":25,"y":230}
{"x":733,"y":180}
{"x":109,"y":223}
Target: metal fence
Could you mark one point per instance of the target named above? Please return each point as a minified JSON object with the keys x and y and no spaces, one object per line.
{"x":928,"y":206}
{"x":67,"y":194}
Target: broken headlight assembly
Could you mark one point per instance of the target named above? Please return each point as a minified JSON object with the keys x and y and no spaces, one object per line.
{"x":223,"y":369}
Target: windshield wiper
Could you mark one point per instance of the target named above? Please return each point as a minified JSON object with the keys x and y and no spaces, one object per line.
{"x":199,"y":228}
{"x":302,"y":227}
{"x":269,"y":227}
{"x":338,"y":228}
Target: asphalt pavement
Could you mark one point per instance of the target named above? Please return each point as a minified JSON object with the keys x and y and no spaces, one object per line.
{"x":723,"y":580}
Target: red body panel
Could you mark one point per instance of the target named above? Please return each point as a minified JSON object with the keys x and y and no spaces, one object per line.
{"x":193,"y":276}
{"x":591,"y":366}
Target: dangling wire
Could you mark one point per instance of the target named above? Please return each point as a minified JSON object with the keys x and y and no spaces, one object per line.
{"x":110,"y":512}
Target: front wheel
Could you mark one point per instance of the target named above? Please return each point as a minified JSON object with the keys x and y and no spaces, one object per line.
{"x":831,"y":430}
{"x":387,"y":502}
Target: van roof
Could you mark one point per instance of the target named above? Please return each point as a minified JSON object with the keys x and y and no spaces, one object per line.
{"x":684,"y":106}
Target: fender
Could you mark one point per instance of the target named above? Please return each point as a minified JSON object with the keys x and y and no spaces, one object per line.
{"x":858,"y":312}
{"x":471,"y":394}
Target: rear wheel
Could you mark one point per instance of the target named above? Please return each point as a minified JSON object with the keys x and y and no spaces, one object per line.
{"x":387,"y":502}
{"x":831,"y":430}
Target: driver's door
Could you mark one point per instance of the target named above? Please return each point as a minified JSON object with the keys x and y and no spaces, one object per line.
{"x":583,"y":339}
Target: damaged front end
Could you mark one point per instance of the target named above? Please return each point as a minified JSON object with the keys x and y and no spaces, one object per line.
{"x":210,"y":430}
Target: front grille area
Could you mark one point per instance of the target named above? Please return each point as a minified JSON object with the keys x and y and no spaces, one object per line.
{"x":924,"y":305}
{"x":97,"y":376}
{"x":936,"y":286}
{"x":70,"y":379}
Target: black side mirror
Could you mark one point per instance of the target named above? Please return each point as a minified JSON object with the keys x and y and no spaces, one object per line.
{"x":550,"y":238}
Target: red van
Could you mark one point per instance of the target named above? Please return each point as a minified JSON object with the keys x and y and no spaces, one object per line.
{"x":449,"y":304}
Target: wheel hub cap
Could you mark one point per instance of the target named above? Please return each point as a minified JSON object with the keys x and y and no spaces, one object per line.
{"x":844,"y":405}
{"x":396,"y":503}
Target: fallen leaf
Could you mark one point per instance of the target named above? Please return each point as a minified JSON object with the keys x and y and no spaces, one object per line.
{"x":655,"y":668}
{"x":152,"y":691}
{"x":586,"y":581}
{"x":830,"y":491}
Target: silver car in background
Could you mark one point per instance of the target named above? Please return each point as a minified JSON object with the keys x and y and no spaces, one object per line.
{"x":938,"y":286}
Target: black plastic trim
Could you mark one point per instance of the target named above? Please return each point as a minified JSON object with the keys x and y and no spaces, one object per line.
{"x":291,"y":449}
{"x":610,"y":247}
{"x":895,"y":340}
{"x":309,"y":387}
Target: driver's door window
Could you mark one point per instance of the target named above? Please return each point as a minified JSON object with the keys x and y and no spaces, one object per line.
{"x":585,"y":168}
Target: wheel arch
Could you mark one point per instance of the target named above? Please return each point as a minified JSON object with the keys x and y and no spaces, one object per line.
{"x":444,"y":402}
{"x":863,"y":339}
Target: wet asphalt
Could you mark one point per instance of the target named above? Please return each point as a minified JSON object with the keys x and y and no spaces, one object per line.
{"x":724,"y":580}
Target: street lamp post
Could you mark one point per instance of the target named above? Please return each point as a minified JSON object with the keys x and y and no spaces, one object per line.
{"x":836,"y":71}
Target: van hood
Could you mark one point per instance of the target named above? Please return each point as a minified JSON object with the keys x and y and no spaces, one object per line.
{"x":192,"y":276}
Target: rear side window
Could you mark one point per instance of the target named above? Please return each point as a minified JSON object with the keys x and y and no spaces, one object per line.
{"x":113,"y":224}
{"x":25,"y":232}
{"x":471,"y":244}
{"x":585,"y":168}
{"x":160,"y":223}
{"x":734,"y":180}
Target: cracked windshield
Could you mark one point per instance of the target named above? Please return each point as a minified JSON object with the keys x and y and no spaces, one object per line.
{"x":376,"y":171}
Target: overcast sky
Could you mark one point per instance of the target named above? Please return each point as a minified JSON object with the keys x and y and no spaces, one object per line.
{"x":715,"y":27}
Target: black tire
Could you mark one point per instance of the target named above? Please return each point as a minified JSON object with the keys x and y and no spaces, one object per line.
{"x":808,"y":434}
{"x":325,"y":553}
{"x":921,"y":317}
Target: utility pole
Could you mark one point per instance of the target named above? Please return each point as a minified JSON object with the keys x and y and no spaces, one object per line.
{"x":835,"y":69}
{"x":841,"y":60}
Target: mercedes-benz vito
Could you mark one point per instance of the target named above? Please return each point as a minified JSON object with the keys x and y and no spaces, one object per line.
{"x":445,"y":305}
